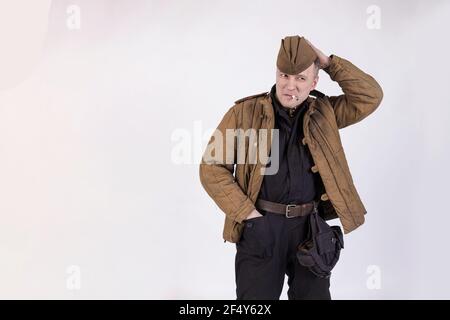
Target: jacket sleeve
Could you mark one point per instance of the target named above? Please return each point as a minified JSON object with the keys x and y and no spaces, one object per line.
{"x":216,"y":172}
{"x":362,"y":94}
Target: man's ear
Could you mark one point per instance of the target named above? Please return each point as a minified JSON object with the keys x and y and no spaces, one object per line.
{"x":314,"y":84}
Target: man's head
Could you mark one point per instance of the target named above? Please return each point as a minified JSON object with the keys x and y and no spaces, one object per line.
{"x":297,"y":71}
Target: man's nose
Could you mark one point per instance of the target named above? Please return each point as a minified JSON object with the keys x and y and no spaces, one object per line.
{"x":291,"y":84}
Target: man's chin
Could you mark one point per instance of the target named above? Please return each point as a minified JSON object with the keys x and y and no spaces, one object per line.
{"x":290,"y":104}
{"x":286,"y":102}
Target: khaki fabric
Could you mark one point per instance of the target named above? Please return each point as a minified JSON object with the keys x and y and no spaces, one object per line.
{"x":295,"y":55}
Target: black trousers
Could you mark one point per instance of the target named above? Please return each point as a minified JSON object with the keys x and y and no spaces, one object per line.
{"x":266,"y":252}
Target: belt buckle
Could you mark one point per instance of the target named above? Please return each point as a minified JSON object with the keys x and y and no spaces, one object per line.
{"x":287,"y":210}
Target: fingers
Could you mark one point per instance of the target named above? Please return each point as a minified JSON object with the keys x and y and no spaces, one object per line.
{"x":319,"y":53}
{"x":311,"y":45}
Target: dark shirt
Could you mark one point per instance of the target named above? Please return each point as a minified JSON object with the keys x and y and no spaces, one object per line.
{"x":294,"y":183}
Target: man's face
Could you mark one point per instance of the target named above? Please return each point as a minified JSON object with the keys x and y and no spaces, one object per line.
{"x":299,"y":86}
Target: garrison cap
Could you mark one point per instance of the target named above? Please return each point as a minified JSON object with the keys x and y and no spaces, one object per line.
{"x":295,"y":55}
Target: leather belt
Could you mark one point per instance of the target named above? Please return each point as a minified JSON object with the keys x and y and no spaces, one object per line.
{"x":289,"y":210}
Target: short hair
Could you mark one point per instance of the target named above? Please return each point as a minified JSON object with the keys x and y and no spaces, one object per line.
{"x":316,"y":66}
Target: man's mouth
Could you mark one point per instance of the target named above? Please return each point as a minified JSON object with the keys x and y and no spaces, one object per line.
{"x":291,"y":96}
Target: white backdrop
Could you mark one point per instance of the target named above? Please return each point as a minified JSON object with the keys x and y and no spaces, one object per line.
{"x":105,"y":107}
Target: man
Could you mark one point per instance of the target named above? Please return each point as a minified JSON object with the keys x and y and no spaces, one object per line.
{"x":267,"y":213}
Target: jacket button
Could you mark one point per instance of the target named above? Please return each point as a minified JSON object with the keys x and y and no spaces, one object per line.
{"x":324,"y":197}
{"x":314,"y":169}
{"x":304,"y":141}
